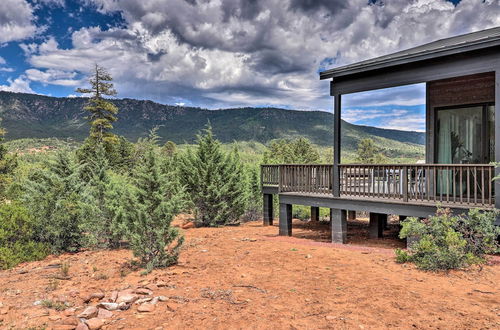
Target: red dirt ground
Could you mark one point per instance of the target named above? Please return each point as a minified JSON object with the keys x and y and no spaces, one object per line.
{"x":248,"y":278}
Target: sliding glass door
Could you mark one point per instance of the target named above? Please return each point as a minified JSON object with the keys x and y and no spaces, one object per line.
{"x":464,"y":135}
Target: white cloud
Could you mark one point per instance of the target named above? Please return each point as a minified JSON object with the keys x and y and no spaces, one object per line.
{"x":53,"y":77}
{"x":238,"y":52}
{"x":19,"y":85}
{"x":358,"y":115}
{"x":16,"y":20}
{"x":405,"y":123}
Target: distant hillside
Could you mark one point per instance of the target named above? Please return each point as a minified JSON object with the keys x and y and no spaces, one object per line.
{"x":37,"y":116}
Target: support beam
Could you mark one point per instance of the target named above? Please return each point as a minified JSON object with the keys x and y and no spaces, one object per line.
{"x":285,"y":220}
{"x":376,"y":227}
{"x":497,"y":140}
{"x":336,"y":145}
{"x":314,"y":213}
{"x":351,"y":215}
{"x":268,"y":209}
{"x":339,"y":225}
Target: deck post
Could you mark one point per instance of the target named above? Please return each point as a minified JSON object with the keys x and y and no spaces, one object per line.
{"x":285,"y":220}
{"x":336,"y":146}
{"x":338,"y":223}
{"x":376,"y":227}
{"x":351,"y":215}
{"x":314,"y":213}
{"x":268,"y":209}
{"x":497,"y":141}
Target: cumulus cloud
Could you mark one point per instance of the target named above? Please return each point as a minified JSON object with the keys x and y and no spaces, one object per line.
{"x":248,"y":52}
{"x":16,"y":20}
{"x":53,"y":77}
{"x":19,"y":85}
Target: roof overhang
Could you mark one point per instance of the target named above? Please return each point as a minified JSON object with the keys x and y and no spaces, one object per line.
{"x":471,"y":42}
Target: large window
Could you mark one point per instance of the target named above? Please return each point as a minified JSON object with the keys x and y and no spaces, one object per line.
{"x":465,"y":135}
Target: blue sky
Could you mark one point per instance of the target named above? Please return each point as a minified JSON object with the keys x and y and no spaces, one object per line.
{"x":228,"y":53}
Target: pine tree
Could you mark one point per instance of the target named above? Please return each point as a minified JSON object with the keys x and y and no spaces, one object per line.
{"x":102,"y":112}
{"x":214,"y":182}
{"x":297,"y":151}
{"x":368,"y":153}
{"x":158,"y":197}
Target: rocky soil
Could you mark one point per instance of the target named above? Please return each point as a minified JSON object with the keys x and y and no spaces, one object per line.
{"x":247,"y":277}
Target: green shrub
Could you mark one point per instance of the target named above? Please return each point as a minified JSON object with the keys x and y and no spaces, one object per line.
{"x":104,"y":204}
{"x":253,"y":209}
{"x":52,"y":196}
{"x":158,"y":197}
{"x":445,"y":241}
{"x":17,"y":237}
{"x":214,"y":181}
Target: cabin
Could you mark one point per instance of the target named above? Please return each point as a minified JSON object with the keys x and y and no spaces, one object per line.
{"x":462,"y":79}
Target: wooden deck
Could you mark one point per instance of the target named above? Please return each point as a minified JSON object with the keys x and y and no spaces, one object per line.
{"x":454,"y":186}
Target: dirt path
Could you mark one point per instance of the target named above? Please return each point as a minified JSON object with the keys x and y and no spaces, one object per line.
{"x":247,"y":277}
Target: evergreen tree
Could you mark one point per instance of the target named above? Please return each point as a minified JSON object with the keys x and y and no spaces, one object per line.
{"x":254,"y":205}
{"x":105,"y":202}
{"x":7,"y":165}
{"x":102,"y":112}
{"x":158,"y":197}
{"x":214,"y":181}
{"x":297,"y":151}
{"x":52,"y":196}
{"x":169,"y":148}
{"x":368,"y":153}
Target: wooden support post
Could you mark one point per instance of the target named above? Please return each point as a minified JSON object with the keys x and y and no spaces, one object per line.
{"x":314,"y":213}
{"x":339,"y":225}
{"x":268,"y":210}
{"x":497,"y":141}
{"x":376,"y":228}
{"x":336,"y":146}
{"x":404,"y":182}
{"x":351,"y":215}
{"x":285,"y":220}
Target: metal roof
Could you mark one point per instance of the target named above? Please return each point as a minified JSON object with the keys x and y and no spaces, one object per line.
{"x":449,"y":46}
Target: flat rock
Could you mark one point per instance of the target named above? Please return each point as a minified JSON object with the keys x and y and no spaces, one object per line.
{"x":126,"y":296}
{"x":69,"y":312}
{"x":143,"y":291}
{"x":93,"y":296}
{"x":82,"y":326}
{"x":143,"y":300}
{"x":110,"y":306}
{"x":88,"y":312}
{"x":69,"y":321}
{"x":146,"y":308}
{"x":95,"y":323}
{"x":104,"y":314}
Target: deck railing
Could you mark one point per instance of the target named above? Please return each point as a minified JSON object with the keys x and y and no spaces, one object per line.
{"x":454,"y":184}
{"x":314,"y":179}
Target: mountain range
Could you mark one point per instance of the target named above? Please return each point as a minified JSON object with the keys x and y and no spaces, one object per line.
{"x":38,"y":116}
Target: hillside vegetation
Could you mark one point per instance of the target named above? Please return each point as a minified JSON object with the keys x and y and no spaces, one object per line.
{"x":37,"y":116}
